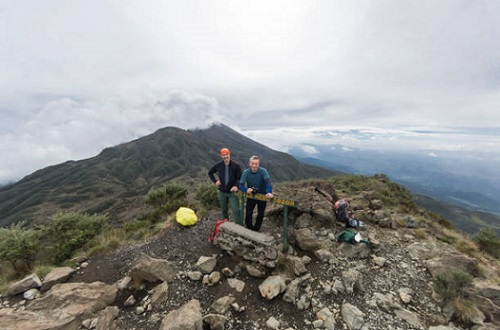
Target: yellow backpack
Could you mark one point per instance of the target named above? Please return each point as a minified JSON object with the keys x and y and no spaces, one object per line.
{"x":186,"y":217}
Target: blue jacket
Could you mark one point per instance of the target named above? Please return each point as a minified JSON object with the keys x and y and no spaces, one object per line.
{"x":260,"y":181}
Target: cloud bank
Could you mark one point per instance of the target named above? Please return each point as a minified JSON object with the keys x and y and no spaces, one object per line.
{"x":77,"y":76}
{"x":67,"y":129}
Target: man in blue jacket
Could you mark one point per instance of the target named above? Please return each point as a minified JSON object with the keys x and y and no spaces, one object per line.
{"x":229,"y":173}
{"x":255,"y":179}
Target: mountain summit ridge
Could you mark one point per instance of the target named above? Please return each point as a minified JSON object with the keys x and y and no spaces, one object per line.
{"x":116,"y":180}
{"x":177,"y":279}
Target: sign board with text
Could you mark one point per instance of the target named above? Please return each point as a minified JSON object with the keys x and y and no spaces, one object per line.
{"x":261,"y":197}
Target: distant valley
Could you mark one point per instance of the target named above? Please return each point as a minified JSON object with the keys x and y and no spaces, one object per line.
{"x":463,"y":182}
{"x":466,"y":184}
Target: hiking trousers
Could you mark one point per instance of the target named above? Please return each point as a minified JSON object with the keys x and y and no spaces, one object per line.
{"x":226,"y":199}
{"x":261,"y":207}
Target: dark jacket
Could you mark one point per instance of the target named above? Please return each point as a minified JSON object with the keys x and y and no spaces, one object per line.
{"x":234,"y":175}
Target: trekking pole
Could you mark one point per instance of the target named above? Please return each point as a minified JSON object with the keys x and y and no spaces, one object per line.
{"x":324,"y":194}
{"x":241,"y":205}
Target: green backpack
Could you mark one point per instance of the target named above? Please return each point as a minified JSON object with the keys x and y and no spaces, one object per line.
{"x":350,"y":237}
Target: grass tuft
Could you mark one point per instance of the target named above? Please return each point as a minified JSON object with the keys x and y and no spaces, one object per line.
{"x":466,"y":312}
{"x":420,"y":233}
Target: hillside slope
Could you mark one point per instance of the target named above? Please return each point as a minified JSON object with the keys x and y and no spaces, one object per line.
{"x":116,"y":180}
{"x":462,"y":218}
{"x":319,"y":283}
{"x":466,"y":218}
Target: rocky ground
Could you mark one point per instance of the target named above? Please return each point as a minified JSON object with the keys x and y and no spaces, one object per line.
{"x":322,"y":283}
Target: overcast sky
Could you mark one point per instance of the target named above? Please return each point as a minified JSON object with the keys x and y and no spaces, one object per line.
{"x":79,"y":76}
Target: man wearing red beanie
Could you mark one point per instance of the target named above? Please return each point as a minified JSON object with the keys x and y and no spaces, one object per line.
{"x":229,"y":174}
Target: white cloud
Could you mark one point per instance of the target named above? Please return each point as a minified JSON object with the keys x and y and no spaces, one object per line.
{"x":309,"y":149}
{"x":67,"y":129}
{"x":448,"y":140}
{"x":73,"y":69}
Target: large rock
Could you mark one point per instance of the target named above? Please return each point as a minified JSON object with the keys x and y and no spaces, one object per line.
{"x":306,"y":240}
{"x":258,"y":248}
{"x":206,"y":264}
{"x":272,"y":287}
{"x":153,"y":270}
{"x":488,"y":290}
{"x":56,"y":276}
{"x":188,"y":317}
{"x":353,"y":317}
{"x":273,"y":324}
{"x":452,"y":263}
{"x":304,"y":221}
{"x":160,"y":294}
{"x":106,"y":320}
{"x":360,"y":250}
{"x":423,"y":250}
{"x":323,"y":255}
{"x":78,"y":300}
{"x":222,"y":305}
{"x":41,"y":320}
{"x":327,"y":317}
{"x":386,"y":302}
{"x":409,"y":317}
{"x":236,"y":284}
{"x":384,"y":219}
{"x":352,"y":280}
{"x":29,"y":282}
{"x":297,"y":264}
{"x":215,"y":321}
{"x":292,"y":291}
{"x":253,"y":271}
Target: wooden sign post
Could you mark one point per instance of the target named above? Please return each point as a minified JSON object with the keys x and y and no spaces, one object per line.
{"x":282,"y":201}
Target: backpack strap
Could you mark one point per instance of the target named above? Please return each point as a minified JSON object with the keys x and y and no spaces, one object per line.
{"x":216,"y":230}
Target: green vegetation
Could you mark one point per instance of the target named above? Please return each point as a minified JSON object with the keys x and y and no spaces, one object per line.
{"x":107,"y":241}
{"x":390,"y":193}
{"x":454,"y":289}
{"x":160,"y":196}
{"x":420,"y":233}
{"x":165,"y":200}
{"x":207,"y":195}
{"x":466,"y":246}
{"x":441,"y":220}
{"x":488,"y":241}
{"x":18,"y":246}
{"x":42,"y":270}
{"x":452,"y":285}
{"x":69,"y":232}
{"x":465,"y":312}
{"x":38,"y":249}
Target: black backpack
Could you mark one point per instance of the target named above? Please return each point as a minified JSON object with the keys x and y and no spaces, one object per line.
{"x":342,"y":211}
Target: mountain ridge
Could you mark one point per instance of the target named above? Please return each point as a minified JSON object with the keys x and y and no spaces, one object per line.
{"x":462,"y":215}
{"x":116,"y":180}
